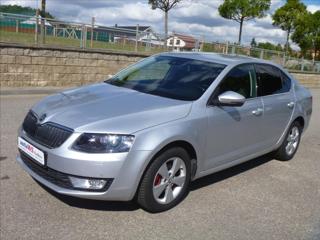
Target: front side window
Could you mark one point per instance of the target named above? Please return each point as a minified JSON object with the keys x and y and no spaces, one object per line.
{"x":240,"y":79}
{"x":167,"y":76}
{"x":270,"y":81}
{"x":286,"y":82}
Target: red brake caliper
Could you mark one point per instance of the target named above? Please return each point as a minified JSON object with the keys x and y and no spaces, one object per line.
{"x":157,"y":181}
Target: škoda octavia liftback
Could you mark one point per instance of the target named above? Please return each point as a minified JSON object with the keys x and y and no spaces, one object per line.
{"x":154,"y":127}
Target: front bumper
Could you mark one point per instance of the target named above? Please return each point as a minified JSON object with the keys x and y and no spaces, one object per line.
{"x":123,"y":169}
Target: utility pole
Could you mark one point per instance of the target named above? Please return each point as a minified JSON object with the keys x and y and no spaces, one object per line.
{"x":92,"y":26}
{"x":43,"y":13}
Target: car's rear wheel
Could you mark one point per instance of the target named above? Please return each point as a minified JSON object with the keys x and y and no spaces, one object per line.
{"x":290,"y":144}
{"x":165,"y":182}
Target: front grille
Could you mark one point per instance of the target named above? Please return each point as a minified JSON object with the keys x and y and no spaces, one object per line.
{"x":55,"y":177}
{"x":48,"y":134}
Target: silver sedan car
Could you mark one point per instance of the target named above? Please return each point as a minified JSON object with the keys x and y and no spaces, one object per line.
{"x":154,"y":127}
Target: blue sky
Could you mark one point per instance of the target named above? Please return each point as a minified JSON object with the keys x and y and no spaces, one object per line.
{"x":197,"y":17}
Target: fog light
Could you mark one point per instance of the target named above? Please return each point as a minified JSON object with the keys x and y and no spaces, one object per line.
{"x":94,"y":184}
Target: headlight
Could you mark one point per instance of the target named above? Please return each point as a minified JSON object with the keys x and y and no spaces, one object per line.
{"x":103,"y":143}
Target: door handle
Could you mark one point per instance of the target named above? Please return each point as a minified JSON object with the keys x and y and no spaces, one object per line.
{"x":257,"y":112}
{"x":290,"y":104}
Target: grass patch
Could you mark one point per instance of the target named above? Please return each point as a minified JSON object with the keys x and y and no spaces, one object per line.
{"x":29,"y":38}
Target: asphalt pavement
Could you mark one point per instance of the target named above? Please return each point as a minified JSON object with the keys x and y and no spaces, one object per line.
{"x":261,"y":199}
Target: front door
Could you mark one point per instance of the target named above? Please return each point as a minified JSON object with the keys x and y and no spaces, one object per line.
{"x":234,"y":132}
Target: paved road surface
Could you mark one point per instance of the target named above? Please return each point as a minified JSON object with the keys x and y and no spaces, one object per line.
{"x":261,"y":199}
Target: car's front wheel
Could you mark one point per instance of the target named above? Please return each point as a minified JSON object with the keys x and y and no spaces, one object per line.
{"x":290,"y":144}
{"x":165,"y":182}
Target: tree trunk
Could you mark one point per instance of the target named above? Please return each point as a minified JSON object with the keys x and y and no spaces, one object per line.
{"x":240,"y":31}
{"x":287,"y":42}
{"x":165,"y":28}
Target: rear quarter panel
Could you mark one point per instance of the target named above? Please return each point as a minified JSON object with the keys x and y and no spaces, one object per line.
{"x":303,"y":104}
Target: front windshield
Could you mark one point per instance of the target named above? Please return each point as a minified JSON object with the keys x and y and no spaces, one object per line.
{"x":167,"y":76}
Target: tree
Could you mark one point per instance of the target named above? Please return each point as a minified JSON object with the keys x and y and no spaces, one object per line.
{"x":270,"y":46}
{"x":16,"y":9}
{"x":165,"y":6}
{"x":243,"y":10}
{"x":285,"y":17}
{"x":279,"y":47}
{"x":307,"y":33}
{"x":253,"y":43}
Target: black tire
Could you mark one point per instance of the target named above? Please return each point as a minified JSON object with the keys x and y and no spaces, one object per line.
{"x":281,"y":153}
{"x":145,"y":196}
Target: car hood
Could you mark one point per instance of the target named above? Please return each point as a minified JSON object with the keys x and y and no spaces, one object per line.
{"x":106,"y":108}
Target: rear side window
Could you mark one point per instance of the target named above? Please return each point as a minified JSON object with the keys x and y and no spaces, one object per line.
{"x":271,"y":80}
{"x":240,"y":79}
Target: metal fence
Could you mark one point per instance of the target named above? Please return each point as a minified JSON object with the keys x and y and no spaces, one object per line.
{"x":291,"y":63}
{"x":40,"y":31}
{"x":50,"y":32}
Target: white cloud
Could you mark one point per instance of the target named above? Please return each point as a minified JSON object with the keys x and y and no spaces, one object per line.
{"x":131,"y":11}
{"x":196,"y":9}
{"x":266,"y":20}
{"x":27,"y":3}
{"x":313,"y":8}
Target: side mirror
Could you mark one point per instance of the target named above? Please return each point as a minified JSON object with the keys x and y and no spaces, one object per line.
{"x":231,"y":98}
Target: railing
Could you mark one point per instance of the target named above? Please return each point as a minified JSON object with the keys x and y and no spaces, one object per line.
{"x":291,"y":63}
{"x":51,"y":32}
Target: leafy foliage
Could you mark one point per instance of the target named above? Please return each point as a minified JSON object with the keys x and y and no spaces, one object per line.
{"x":243,"y":10}
{"x":307,"y":32}
{"x":164,"y":5}
{"x":253,"y":43}
{"x":16,"y":9}
{"x":270,"y":46}
{"x":285,"y":16}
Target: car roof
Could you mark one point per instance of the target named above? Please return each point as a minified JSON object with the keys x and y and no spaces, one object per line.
{"x":230,"y":59}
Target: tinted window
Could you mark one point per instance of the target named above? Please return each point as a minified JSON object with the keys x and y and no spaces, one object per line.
{"x":286,"y":82}
{"x":241,"y":80}
{"x":270,"y":80}
{"x":166,"y":76}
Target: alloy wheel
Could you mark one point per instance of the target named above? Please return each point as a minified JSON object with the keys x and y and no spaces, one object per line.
{"x":292,"y":140}
{"x":169,"y":180}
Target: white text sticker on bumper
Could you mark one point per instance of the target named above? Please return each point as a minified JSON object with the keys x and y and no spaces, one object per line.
{"x":30,"y":150}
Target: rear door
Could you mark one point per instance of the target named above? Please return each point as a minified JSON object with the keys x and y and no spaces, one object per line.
{"x":274,"y":87}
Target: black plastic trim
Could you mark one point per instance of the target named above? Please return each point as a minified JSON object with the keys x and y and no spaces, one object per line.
{"x":59,"y":178}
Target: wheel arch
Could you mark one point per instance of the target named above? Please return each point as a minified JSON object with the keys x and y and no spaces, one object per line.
{"x":300,"y":120}
{"x":180,"y":143}
{"x":176,"y":143}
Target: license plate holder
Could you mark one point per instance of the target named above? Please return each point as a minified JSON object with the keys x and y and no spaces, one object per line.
{"x":33,"y":152}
